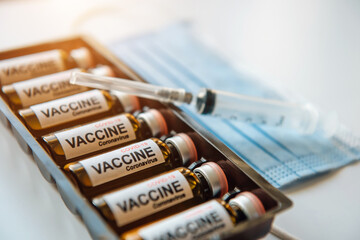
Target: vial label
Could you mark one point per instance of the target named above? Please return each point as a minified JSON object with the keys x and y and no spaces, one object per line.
{"x":197,"y":223}
{"x":70,"y":108}
{"x":46,"y":88}
{"x":26,"y":67}
{"x":122,"y":162}
{"x":96,"y":136}
{"x":148,"y":197}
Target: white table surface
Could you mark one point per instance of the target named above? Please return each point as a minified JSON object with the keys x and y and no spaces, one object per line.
{"x":311,"y":48}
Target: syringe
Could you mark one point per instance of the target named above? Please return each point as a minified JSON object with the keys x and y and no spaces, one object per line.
{"x":302,"y":117}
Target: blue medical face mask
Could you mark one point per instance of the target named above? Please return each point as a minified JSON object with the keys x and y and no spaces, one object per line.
{"x":173,"y":58}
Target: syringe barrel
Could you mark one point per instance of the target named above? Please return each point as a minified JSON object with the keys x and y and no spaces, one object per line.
{"x":302,"y":117}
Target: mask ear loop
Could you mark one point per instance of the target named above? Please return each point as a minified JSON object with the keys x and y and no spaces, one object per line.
{"x":281,"y":234}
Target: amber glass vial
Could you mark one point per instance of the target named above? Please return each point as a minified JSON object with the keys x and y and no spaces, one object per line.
{"x":104,"y":135}
{"x":41,"y":89}
{"x":161,"y":196}
{"x":80,"y":108}
{"x":146,"y":158}
{"x":202,"y":222}
{"x":43,"y":63}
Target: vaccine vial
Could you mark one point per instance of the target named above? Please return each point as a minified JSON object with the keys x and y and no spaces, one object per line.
{"x":41,"y":89}
{"x":147,"y":158}
{"x":205,"y":221}
{"x":120,"y":130}
{"x":162,"y":195}
{"x":80,"y":108}
{"x":43,"y":63}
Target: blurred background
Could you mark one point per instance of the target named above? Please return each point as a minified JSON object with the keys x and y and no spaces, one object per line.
{"x":309,"y":48}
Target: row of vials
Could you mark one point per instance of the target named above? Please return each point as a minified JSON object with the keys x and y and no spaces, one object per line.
{"x":146,"y":185}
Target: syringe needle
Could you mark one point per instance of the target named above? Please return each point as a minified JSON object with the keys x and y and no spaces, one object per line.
{"x":140,"y":89}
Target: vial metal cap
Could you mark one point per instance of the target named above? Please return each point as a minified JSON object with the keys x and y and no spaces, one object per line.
{"x":103,"y":70}
{"x":185,"y":147}
{"x":82,"y":57}
{"x":155,"y":121}
{"x":215,"y":177}
{"x":249,"y":203}
{"x":130,"y":103}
